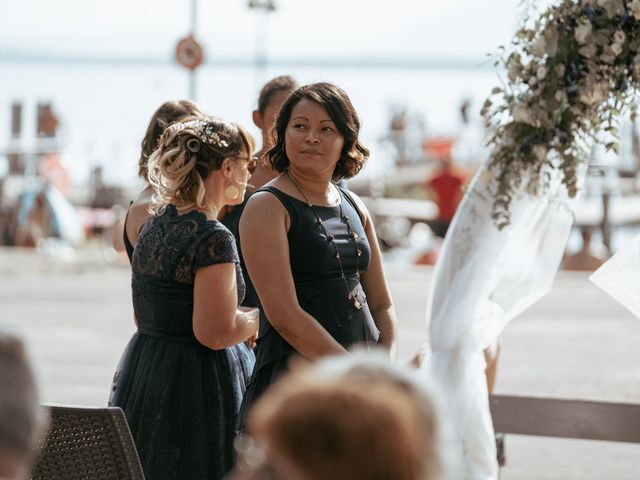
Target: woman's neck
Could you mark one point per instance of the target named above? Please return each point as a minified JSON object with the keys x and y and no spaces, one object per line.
{"x":209,"y":211}
{"x":313,"y":189}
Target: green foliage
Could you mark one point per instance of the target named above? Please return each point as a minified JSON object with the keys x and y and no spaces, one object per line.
{"x":570,"y":75}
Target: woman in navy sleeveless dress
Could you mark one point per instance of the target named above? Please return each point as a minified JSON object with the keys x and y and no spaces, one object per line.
{"x":178,"y":381}
{"x":309,"y":246}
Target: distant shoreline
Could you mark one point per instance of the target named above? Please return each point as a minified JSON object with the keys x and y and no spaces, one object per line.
{"x":396,"y":63}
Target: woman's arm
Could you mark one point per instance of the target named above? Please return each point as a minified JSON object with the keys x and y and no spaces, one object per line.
{"x":217,"y":322}
{"x":375,"y":287}
{"x":265,"y":248}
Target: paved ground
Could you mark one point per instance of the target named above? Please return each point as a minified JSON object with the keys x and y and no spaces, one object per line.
{"x":576,"y":343}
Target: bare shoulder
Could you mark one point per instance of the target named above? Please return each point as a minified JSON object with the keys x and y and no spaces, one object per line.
{"x":264,"y":209}
{"x":261,"y":202}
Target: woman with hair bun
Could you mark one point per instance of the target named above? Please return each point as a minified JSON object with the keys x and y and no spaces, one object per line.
{"x":178,"y":386}
{"x":138,"y":212}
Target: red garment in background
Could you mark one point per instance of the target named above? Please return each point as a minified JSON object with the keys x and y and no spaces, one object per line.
{"x":447,"y":189}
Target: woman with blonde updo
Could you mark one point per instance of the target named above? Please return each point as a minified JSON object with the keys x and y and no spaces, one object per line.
{"x":178,"y":386}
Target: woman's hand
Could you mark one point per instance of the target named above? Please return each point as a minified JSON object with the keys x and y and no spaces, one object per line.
{"x":254,"y":315}
{"x":375,"y":288}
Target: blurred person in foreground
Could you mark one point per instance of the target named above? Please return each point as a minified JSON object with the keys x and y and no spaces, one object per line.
{"x":344,"y":418}
{"x":272,"y":96}
{"x":22,"y":422}
{"x":321,"y":286}
{"x":179,"y":386}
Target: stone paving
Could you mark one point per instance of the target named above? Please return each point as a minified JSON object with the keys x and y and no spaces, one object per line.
{"x":74,"y":310}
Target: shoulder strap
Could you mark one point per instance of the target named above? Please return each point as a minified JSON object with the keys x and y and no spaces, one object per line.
{"x":286,"y":203}
{"x":345,"y":194}
{"x":125,"y":238}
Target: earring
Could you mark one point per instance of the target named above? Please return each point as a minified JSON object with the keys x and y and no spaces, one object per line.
{"x":232,"y":192}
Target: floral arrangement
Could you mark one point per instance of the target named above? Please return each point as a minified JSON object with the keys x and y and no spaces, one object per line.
{"x":571,"y":73}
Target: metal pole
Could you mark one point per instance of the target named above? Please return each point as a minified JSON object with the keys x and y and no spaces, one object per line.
{"x":260,"y":61}
{"x":192,"y":73}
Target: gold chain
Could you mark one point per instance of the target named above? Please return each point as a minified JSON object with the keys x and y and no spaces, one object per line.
{"x":331,"y":238}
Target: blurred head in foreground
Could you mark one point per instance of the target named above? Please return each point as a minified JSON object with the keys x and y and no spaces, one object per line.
{"x":21,"y":418}
{"x":343,"y":419}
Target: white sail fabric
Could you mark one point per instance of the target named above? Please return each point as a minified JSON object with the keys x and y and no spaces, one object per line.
{"x":483,"y":278}
{"x":620,"y":276}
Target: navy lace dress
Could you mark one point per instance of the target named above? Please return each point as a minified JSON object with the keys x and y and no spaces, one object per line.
{"x":181,"y":399}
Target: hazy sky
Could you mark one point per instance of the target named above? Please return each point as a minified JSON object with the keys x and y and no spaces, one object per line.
{"x":301,"y":29}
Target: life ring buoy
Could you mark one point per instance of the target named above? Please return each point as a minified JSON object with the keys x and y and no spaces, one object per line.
{"x":189,"y":53}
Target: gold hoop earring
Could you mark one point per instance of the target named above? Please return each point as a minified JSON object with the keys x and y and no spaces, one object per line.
{"x":232,"y":192}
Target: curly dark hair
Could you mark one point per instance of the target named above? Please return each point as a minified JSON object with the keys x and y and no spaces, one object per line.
{"x":165,"y":115}
{"x":341,"y":111}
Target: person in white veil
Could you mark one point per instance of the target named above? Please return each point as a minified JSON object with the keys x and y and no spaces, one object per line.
{"x":483,"y":278}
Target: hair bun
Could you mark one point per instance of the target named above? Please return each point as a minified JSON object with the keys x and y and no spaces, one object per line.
{"x":193,"y":144}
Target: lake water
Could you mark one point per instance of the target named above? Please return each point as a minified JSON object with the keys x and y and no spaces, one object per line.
{"x":105,"y":108}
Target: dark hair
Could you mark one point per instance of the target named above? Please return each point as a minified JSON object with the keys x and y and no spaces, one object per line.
{"x":283,"y":83}
{"x":188,"y":151}
{"x":341,"y":111}
{"x":165,"y":115}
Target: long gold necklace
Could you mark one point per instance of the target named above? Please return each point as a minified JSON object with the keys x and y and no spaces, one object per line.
{"x":345,"y":219}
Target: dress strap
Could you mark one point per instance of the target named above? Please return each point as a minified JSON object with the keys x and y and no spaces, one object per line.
{"x":345,"y":194}
{"x":125,"y":238}
{"x":289,"y":206}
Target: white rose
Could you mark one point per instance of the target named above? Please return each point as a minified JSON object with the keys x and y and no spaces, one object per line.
{"x":619,"y":37}
{"x":514,"y":66}
{"x":541,"y":73}
{"x":634,"y":6}
{"x":540,"y":152}
{"x":533,"y":81}
{"x":636,"y":64}
{"x":522,"y":114}
{"x":561,"y":96}
{"x":616,"y":48}
{"x":594,"y":95}
{"x":538,"y":46}
{"x":582,"y":32}
{"x":608,"y":56}
{"x":588,"y":51}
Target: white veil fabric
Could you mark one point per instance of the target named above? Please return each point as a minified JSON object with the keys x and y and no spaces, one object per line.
{"x":620,"y":276}
{"x":483,"y":278}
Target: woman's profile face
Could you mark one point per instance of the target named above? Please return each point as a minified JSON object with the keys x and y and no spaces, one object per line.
{"x":312,"y":140}
{"x":268,"y":117}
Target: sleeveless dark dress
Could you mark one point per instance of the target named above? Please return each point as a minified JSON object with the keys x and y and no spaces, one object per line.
{"x":320,"y":289}
{"x":181,"y":399}
{"x":232,"y":221}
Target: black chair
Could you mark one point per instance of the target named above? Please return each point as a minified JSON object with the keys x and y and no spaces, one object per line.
{"x":87,"y":443}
